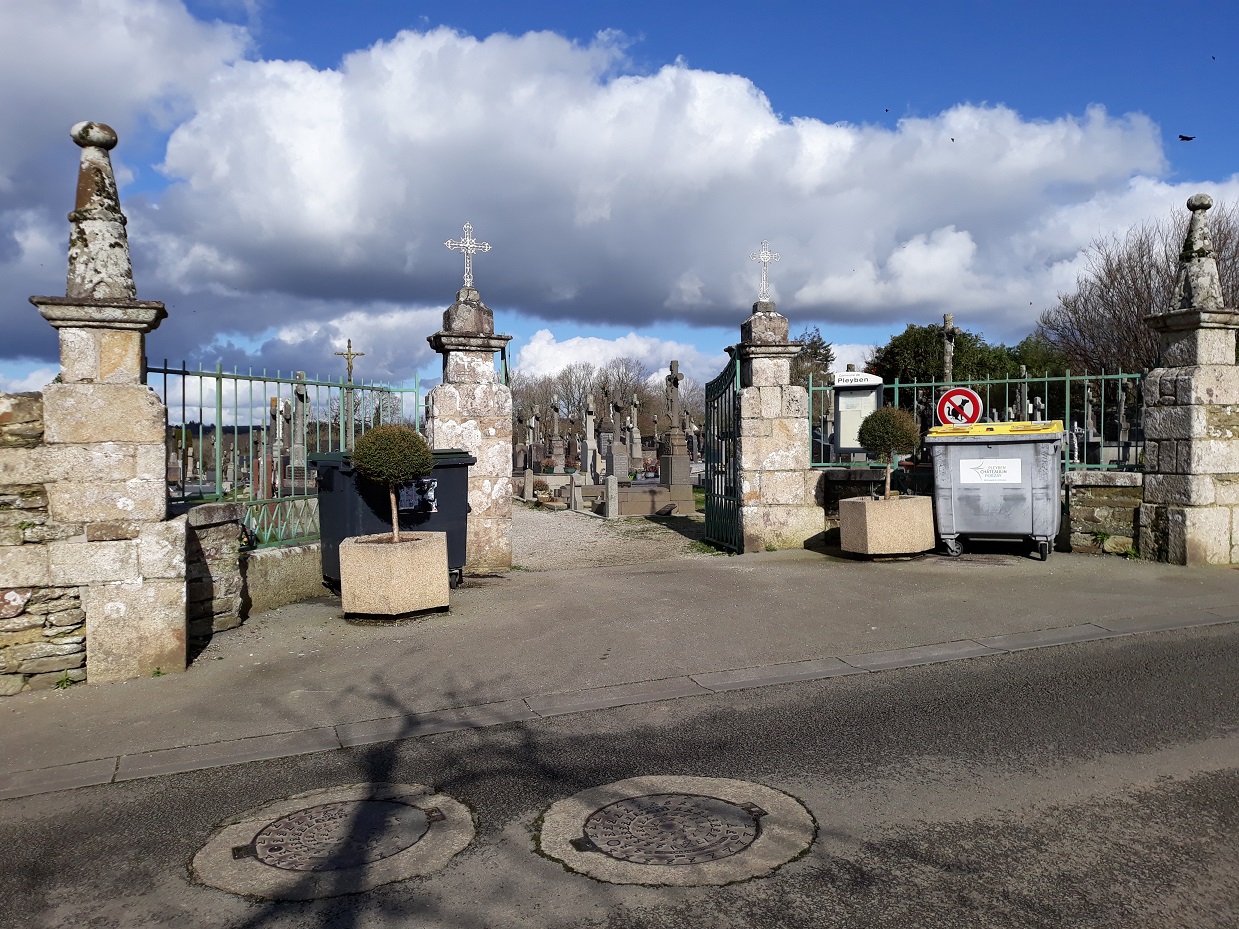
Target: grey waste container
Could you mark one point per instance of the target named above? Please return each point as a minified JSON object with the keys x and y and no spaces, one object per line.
{"x":350,"y":506}
{"x":997,"y":480}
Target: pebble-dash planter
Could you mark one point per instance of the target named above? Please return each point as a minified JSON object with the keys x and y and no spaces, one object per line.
{"x":677,"y":831}
{"x":343,"y":840}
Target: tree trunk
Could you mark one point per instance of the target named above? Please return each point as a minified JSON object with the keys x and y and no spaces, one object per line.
{"x":395,"y":519}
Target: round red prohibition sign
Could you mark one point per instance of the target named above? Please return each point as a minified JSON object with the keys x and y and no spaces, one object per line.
{"x":959,"y":406}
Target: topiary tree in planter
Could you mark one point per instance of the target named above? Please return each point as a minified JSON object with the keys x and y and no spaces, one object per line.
{"x":890,"y":525}
{"x":888,"y":432}
{"x":392,"y":455}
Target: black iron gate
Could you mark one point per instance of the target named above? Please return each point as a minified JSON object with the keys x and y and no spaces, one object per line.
{"x":722,"y":475}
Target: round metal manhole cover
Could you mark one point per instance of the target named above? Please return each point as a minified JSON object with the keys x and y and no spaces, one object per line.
{"x":676,"y":831}
{"x":332,"y":836}
{"x":338,"y":840}
{"x":671,"y":829}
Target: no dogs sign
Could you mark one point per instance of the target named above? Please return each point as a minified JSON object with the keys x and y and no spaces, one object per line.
{"x":959,"y":406}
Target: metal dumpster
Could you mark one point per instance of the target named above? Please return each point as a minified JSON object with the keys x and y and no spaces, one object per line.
{"x":349,"y":505}
{"x":997,"y":480}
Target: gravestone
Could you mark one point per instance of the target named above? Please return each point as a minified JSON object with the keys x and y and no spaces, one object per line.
{"x":634,"y":435}
{"x":613,"y":497}
{"x":301,"y":403}
{"x":589,"y":448}
{"x":618,"y":464}
{"x":674,"y":469}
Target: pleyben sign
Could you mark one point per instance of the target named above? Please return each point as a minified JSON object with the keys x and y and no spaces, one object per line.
{"x":959,"y":406}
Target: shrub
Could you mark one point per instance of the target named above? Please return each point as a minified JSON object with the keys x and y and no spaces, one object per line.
{"x":889,"y":428}
{"x":391,"y":456}
{"x":540,"y":486}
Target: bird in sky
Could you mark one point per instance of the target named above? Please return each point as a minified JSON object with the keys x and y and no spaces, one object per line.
{"x":1186,"y":138}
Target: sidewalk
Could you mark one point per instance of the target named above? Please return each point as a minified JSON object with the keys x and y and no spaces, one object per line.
{"x":535,"y":644}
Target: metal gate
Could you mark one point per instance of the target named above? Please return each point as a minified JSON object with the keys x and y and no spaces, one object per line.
{"x":722,"y":475}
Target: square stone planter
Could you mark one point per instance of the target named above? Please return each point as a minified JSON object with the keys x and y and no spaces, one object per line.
{"x":898,"y":526}
{"x":382,"y":578}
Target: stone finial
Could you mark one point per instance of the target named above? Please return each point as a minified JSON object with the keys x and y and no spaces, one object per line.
{"x":469,"y":314}
{"x":766,"y":326}
{"x":99,"y":265}
{"x":1198,"y":286}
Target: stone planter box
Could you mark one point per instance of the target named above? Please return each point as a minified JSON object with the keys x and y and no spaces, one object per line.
{"x":898,"y":526}
{"x":382,"y":578}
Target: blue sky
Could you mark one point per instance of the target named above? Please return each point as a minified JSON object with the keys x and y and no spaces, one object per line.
{"x":291,"y":169}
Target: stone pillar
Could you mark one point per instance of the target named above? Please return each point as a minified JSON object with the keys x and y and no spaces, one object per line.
{"x":777,"y":507}
{"x":105,"y":441}
{"x":1190,"y":514}
{"x":472,"y":410}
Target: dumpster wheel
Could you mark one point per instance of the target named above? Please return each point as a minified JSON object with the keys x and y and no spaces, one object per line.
{"x":455,"y":577}
{"x":954,"y":548}
{"x":1043,"y":549}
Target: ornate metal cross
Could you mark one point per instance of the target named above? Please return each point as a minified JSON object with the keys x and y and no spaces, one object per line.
{"x":765,"y":256}
{"x":349,"y":355}
{"x":470,"y":247}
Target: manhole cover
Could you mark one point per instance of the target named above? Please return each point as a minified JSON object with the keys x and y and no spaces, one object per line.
{"x":676,"y":831}
{"x":332,"y":836}
{"x":671,"y":829}
{"x":335,"y":841}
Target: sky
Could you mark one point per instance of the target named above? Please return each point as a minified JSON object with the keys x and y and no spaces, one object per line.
{"x":291,"y":169}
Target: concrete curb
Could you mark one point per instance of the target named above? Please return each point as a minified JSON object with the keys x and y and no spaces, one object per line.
{"x":116,"y":768}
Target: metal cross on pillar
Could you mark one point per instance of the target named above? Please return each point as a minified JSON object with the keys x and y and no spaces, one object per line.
{"x":346,"y":435}
{"x":470,"y":247}
{"x":764,"y":257}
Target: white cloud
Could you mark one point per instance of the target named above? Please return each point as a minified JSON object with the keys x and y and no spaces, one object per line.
{"x":544,"y":355}
{"x":324,"y":195}
{"x":116,"y":61}
{"x":847,"y":353}
{"x":618,"y":196}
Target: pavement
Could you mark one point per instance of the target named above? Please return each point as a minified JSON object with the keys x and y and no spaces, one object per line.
{"x":535,"y":644}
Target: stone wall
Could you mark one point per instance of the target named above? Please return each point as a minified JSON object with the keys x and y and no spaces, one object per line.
{"x":213,"y":582}
{"x":276,"y":577}
{"x":1103,"y":509}
{"x":42,"y":628}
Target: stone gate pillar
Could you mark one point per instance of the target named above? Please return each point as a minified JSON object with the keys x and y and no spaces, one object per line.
{"x":777,"y":507}
{"x":1190,"y":514}
{"x":472,"y":410}
{"x":103,"y":456}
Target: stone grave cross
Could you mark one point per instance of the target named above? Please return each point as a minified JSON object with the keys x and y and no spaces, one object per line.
{"x":672,"y":392}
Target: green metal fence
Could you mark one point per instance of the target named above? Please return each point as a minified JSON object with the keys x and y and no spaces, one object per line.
{"x":1102,"y":413}
{"x":247,"y":437}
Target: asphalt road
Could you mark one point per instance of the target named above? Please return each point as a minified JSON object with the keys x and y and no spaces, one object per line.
{"x":1086,"y":785}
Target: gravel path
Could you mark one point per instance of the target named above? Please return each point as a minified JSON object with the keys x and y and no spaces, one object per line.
{"x":551,"y":540}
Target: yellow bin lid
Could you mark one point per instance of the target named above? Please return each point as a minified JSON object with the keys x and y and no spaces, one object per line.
{"x":1054,"y":425}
